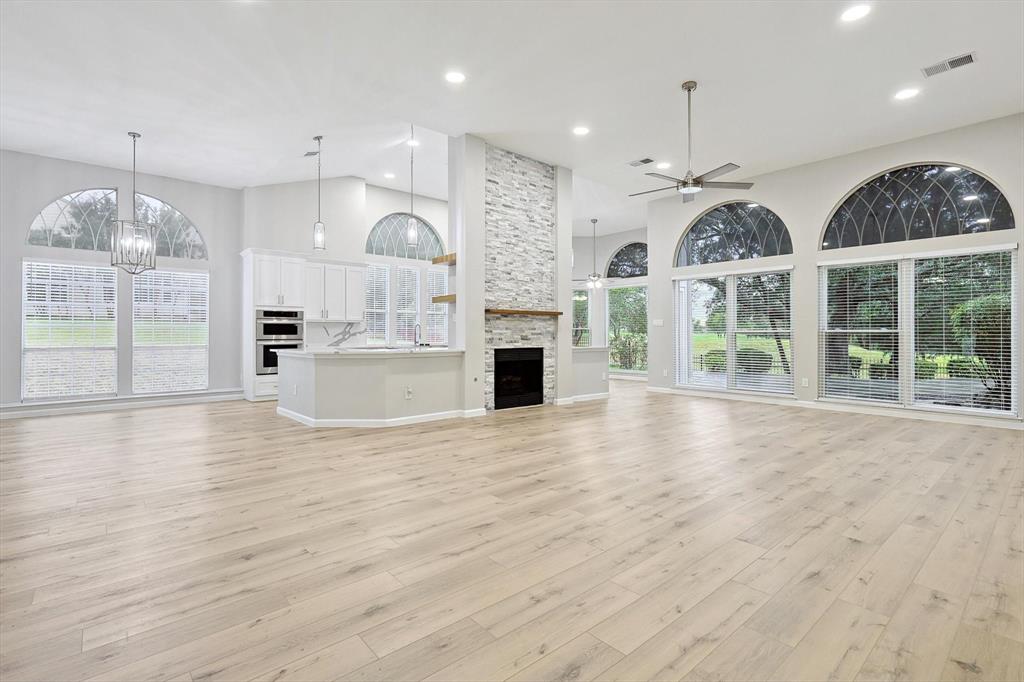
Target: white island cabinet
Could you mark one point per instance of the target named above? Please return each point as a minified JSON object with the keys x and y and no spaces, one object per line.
{"x":366,"y":387}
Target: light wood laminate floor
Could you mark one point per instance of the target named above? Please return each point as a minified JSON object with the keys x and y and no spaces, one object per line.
{"x":647,"y":537}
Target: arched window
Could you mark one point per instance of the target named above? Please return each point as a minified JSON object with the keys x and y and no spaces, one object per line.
{"x":80,"y":220}
{"x":734,"y":231}
{"x":917,"y":202}
{"x":176,"y":236}
{"x":629,"y":261}
{"x":84,"y":220}
{"x":387,"y":238}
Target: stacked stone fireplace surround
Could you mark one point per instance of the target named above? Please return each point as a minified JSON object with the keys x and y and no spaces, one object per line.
{"x":519,"y":250}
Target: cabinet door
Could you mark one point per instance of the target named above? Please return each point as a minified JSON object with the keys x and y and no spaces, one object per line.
{"x":313,"y":300}
{"x":292,"y":282}
{"x":267,"y":280}
{"x":355,"y":294}
{"x":334,"y":291}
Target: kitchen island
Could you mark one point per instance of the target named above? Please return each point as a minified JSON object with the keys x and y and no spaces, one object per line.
{"x":369,"y":387}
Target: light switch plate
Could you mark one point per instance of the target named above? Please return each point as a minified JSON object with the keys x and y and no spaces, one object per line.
{"x":805,"y":382}
{"x":658,"y":323}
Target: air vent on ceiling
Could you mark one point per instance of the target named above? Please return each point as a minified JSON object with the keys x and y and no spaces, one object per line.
{"x":948,"y":65}
{"x":640,"y":162}
{"x":311,"y":153}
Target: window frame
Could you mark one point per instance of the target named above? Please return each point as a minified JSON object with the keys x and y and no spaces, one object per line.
{"x":85,"y":263}
{"x":185,"y":271}
{"x":905,"y":272}
{"x":682,"y":314}
{"x":680,"y":248}
{"x":423,"y":297}
{"x":589,"y":329}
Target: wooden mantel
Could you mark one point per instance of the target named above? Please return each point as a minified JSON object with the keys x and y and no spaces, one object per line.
{"x":514,"y":311}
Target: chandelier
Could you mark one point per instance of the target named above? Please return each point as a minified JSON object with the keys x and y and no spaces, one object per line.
{"x":133,"y":242}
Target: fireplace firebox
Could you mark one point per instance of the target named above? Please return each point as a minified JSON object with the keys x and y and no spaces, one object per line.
{"x":518,"y":377}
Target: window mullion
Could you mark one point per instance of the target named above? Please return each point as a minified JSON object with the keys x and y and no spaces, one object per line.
{"x":905,"y":332}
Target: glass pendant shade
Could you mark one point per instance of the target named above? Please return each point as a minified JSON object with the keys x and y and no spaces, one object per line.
{"x":133,"y":242}
{"x":412,"y":232}
{"x":319,"y":229}
{"x":133,"y":246}
{"x":319,"y":236}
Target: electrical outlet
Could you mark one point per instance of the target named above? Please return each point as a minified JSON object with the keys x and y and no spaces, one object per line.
{"x":657,"y":323}
{"x":408,"y":392}
{"x":604,"y":375}
{"x":664,"y":372}
{"x":295,"y":389}
{"x":805,"y":382}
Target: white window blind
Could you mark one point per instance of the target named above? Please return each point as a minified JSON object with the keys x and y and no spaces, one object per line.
{"x":170,"y":331}
{"x":437,"y":313}
{"x":377,"y":294}
{"x":734,"y":332}
{"x":860,"y":337}
{"x":963,"y":331}
{"x":406,"y":304}
{"x":762,"y":340}
{"x":69,"y":331}
{"x":581,"y":318}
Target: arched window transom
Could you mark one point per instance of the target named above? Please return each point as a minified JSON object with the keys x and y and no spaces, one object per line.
{"x":176,"y":235}
{"x":918,"y":202}
{"x":81,"y":220}
{"x":388,"y":238}
{"x":734,"y":231}
{"x":629,"y":261}
{"x":84,"y":220}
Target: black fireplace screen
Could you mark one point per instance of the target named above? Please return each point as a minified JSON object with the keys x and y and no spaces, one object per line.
{"x":518,"y":377}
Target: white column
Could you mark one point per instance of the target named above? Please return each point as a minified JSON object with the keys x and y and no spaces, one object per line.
{"x":564,"y":388}
{"x":466,"y":183}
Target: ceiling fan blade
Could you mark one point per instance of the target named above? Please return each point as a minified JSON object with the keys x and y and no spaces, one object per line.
{"x":669,"y":178}
{"x":652,"y":190}
{"x":727,"y":185}
{"x":721,"y":170}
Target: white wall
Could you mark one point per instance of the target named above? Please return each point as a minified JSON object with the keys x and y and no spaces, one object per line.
{"x":804,"y":197}
{"x":31,"y":182}
{"x":281,"y":216}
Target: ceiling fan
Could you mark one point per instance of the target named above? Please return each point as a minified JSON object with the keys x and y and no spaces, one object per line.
{"x":690,"y":184}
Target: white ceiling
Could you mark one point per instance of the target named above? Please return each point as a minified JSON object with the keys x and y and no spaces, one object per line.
{"x":230,"y":93}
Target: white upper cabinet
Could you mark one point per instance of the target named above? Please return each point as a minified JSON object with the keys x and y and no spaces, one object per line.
{"x":334,"y":292}
{"x":278,"y":281}
{"x":292,"y":282}
{"x":355,"y":293}
{"x":314,"y":292}
{"x":267,"y":280}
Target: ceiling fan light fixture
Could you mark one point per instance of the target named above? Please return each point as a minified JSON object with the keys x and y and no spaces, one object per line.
{"x":689,"y":189}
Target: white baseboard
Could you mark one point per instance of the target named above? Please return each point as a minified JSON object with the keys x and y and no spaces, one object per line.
{"x":376,"y":423}
{"x":561,"y":402}
{"x":128,"y":402}
{"x":924,"y":415}
{"x":478,"y":412}
{"x":627,"y":377}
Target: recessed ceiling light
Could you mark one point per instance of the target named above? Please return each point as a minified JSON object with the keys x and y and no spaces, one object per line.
{"x":455,"y":77}
{"x":971,"y":197}
{"x":580,"y":131}
{"x":753,"y":205}
{"x":664,"y":165}
{"x":952,"y":169}
{"x":389,"y":176}
{"x":856,"y":12}
{"x":413,"y":142}
{"x":906,"y":93}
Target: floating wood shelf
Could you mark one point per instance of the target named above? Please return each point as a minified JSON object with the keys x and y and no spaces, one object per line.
{"x":446,"y":298}
{"x":512,"y":311}
{"x":446,"y":259}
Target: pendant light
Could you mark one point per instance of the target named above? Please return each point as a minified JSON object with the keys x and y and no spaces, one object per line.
{"x":319,"y":231}
{"x":594,"y":278}
{"x":412,"y":230}
{"x":133,"y":243}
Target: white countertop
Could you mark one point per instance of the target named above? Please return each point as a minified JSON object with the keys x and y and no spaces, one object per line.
{"x":362,"y":352}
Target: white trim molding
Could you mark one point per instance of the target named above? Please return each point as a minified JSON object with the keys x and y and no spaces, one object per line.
{"x":564,"y":402}
{"x":128,"y":402}
{"x":377,"y":423}
{"x":1012,"y":423}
